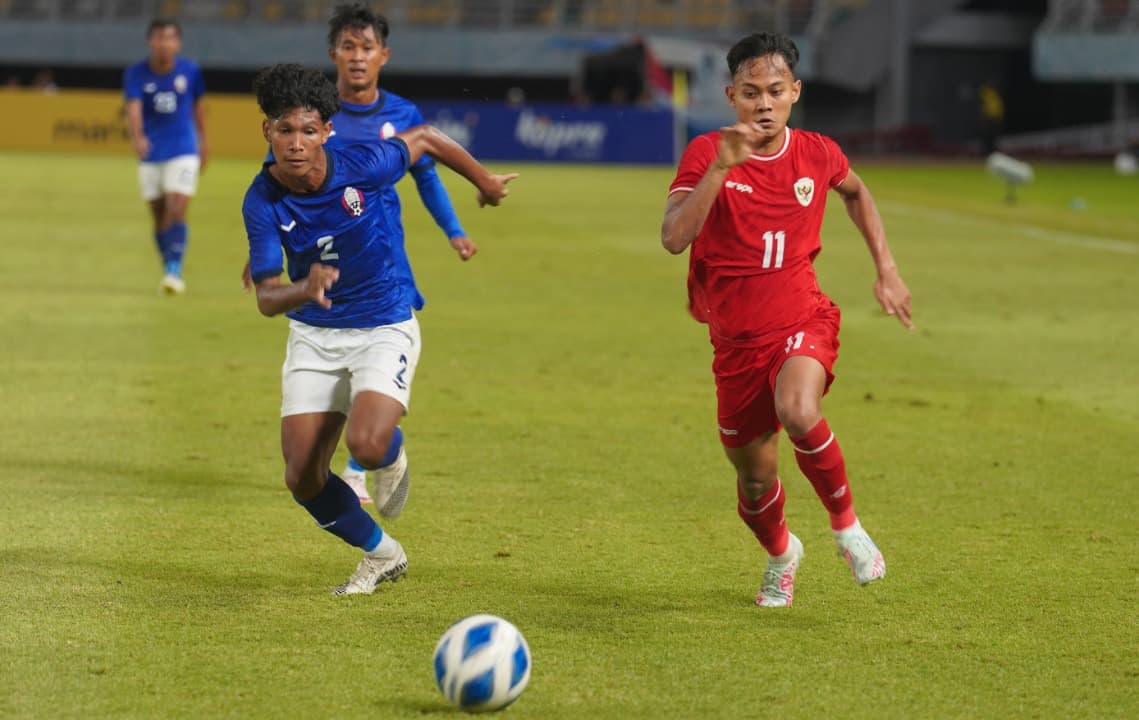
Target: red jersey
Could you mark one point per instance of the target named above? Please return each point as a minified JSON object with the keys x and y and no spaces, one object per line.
{"x":751,"y":273}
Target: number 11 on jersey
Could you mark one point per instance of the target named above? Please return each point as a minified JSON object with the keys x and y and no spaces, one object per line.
{"x":773,"y":240}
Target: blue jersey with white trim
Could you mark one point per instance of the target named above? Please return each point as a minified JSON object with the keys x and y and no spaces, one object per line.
{"x":342,"y":223}
{"x":167,"y":106}
{"x":388,"y":115}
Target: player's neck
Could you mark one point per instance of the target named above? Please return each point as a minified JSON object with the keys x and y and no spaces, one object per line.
{"x":773,"y":144}
{"x":365,"y":96}
{"x":161,"y":67}
{"x":309,"y":182}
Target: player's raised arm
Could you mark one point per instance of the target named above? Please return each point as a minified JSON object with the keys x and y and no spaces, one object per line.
{"x":891,"y":293}
{"x":425,"y":139}
{"x":685,"y":212}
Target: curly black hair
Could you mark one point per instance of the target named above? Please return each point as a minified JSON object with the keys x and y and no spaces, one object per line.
{"x":762,"y":44}
{"x":356,"y":16}
{"x":285,"y":87}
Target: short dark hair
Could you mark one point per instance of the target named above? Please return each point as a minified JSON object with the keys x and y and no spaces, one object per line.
{"x":285,"y":87}
{"x":762,"y":44}
{"x":163,"y":22}
{"x":356,"y":16}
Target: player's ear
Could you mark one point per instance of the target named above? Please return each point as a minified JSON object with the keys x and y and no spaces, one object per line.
{"x":265,"y":129}
{"x":332,"y":54}
{"x":730,"y":91}
{"x":327,"y":132}
{"x":796,"y":89}
{"x":385,"y":55}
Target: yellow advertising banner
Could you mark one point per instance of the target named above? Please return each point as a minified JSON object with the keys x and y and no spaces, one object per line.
{"x":93,"y":121}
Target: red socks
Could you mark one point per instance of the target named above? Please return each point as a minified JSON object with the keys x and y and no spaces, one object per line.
{"x":821,"y":461}
{"x":765,"y":518}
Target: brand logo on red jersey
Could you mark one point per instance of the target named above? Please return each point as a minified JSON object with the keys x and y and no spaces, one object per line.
{"x":804,"y":190}
{"x":352,"y":201}
{"x":733,"y":185}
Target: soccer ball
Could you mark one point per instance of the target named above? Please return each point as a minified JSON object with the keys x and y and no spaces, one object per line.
{"x":482,"y":663}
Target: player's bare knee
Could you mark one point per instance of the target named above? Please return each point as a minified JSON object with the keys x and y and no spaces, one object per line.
{"x":369,"y":448}
{"x":798,"y":413}
{"x":755,"y":483}
{"x":304,"y":481}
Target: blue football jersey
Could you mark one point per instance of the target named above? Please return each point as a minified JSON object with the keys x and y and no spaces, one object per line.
{"x":167,"y":106}
{"x":342,"y":224}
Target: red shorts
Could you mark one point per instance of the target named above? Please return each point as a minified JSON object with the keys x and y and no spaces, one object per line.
{"x":745,"y":376}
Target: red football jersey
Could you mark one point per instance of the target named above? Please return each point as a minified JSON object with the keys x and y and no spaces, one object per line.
{"x":751,"y":273}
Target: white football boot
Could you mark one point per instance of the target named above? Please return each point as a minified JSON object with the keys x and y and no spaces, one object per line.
{"x":778,"y":588}
{"x":373,"y":570}
{"x":358,"y":481}
{"x":390,"y":486}
{"x":861,"y":554}
{"x":172,"y":284}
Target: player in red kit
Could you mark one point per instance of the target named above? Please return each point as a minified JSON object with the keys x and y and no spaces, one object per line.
{"x":749,"y":202}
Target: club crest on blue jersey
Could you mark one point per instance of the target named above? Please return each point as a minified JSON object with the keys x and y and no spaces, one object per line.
{"x":387,"y":131}
{"x":804,"y":190}
{"x":353,"y":201}
{"x":180,"y":84}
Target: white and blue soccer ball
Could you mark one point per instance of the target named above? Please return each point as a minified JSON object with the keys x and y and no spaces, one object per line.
{"x":482,"y":663}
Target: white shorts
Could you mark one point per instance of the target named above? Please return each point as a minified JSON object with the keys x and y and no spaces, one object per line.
{"x":325,"y":368}
{"x":176,"y":175}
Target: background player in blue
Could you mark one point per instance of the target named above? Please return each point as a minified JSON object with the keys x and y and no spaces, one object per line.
{"x":168,"y":129}
{"x":353,"y":340}
{"x":357,"y":44}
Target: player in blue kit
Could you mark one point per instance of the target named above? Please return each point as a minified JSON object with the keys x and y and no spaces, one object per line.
{"x":168,"y":129}
{"x":358,"y":45}
{"x":353,"y":340}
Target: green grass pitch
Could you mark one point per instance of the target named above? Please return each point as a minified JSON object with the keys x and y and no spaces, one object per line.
{"x":566,"y":472}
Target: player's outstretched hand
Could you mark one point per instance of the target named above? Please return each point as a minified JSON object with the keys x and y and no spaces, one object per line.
{"x":142,"y":147}
{"x":464,"y":247}
{"x":894,"y":297}
{"x":736,"y":143}
{"x":320,"y":278}
{"x":495,"y":190}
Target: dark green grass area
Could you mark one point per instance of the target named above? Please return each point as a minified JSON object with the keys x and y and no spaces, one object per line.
{"x":566,"y":472}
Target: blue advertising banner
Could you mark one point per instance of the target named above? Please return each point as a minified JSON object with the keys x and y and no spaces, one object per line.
{"x":556,"y":133}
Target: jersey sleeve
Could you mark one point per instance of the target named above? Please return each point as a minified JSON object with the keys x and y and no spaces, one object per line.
{"x":132,"y":86}
{"x":693,"y":164}
{"x":387,"y":160}
{"x":436,"y":200}
{"x":838,"y":166}
{"x":198,"y":87}
{"x":266,"y":259}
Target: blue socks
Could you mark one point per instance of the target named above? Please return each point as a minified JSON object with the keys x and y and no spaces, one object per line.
{"x":337,"y":510}
{"x":393,"y":448}
{"x":172,"y":246}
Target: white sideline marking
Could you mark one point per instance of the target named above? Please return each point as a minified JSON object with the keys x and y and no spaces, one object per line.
{"x":1126,"y":247}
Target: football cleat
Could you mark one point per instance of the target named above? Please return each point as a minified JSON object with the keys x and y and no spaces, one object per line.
{"x":358,"y":481}
{"x":390,"y":486}
{"x":172,"y":284}
{"x":778,"y":588}
{"x":861,"y":554}
{"x":374,"y":570}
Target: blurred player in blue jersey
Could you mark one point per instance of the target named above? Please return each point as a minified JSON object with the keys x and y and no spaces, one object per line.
{"x":168,"y":128}
{"x":353,"y":340}
{"x":357,"y":44}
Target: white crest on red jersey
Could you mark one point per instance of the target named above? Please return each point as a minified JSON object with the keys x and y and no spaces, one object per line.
{"x":804,"y":190}
{"x":387,"y":130}
{"x":352,"y":201}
